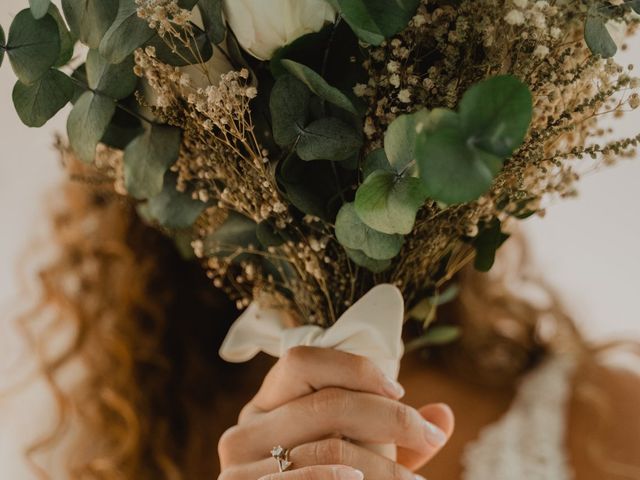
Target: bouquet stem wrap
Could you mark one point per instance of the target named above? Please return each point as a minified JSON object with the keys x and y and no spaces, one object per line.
{"x":372,"y":328}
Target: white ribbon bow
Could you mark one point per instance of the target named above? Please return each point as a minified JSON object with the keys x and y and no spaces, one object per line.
{"x":372,"y":328}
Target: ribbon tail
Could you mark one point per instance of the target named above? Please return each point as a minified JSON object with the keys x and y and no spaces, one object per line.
{"x":256,"y":330}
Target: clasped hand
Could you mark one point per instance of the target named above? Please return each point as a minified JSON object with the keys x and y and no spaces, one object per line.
{"x":322,"y":404}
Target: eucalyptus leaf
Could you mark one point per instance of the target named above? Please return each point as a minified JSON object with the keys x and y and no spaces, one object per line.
{"x":124,"y":127}
{"x":127,"y":33}
{"x":389,"y":203}
{"x":237,"y":231}
{"x":353,"y":233}
{"x":113,"y":80}
{"x":360,"y":258}
{"x":487,"y":243}
{"x":312,"y":187}
{"x":328,"y":139}
{"x":174,"y":209}
{"x":436,"y":336}
{"x":400,"y":140}
{"x":39,"y":8}
{"x":268,"y":235}
{"x":38,"y":102}
{"x":213,"y":20}
{"x":67,"y":40}
{"x":2,"y":44}
{"x":319,"y":85}
{"x":376,"y":160}
{"x":147,"y":159}
{"x":376,"y":20}
{"x":89,"y":20}
{"x":289,"y":105}
{"x":33,"y":45}
{"x":598,"y":38}
{"x":635,"y":5}
{"x":496,"y":114}
{"x":451,"y":170}
{"x":88,"y":122}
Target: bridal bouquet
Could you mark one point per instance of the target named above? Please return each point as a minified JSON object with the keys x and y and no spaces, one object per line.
{"x":308,"y":150}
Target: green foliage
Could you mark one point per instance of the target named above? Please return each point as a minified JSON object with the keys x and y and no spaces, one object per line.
{"x":389,"y":202}
{"x":487,"y":243}
{"x":127,"y":33}
{"x":390,"y":196}
{"x":376,"y":20}
{"x":308,"y":49}
{"x":67,"y":40}
{"x":39,"y":8}
{"x":313,"y":188}
{"x":33,"y":45}
{"x":496,"y":114}
{"x":400,"y":141}
{"x":88,"y":122}
{"x":459,"y":155}
{"x":376,"y":160}
{"x":451,"y":170}
{"x":328,"y":139}
{"x":354,"y":234}
{"x":38,"y":102}
{"x":319,"y":85}
{"x":359,"y":258}
{"x":113,"y":80}
{"x":213,"y":20}
{"x":436,"y":336}
{"x":289,"y":105}
{"x":597,"y":36}
{"x":268,"y":235}
{"x":171,"y":208}
{"x":236,"y":231}
{"x":2,"y":45}
{"x":89,"y":20}
{"x":147,"y":159}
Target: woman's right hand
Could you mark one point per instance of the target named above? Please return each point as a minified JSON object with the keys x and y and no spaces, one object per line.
{"x":317,"y":402}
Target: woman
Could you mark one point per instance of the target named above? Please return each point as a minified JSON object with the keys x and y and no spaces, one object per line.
{"x":154,"y":399}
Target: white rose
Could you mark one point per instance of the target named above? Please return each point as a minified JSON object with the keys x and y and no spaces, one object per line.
{"x":263,"y":26}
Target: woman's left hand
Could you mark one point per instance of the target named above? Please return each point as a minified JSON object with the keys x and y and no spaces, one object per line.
{"x":313,"y":400}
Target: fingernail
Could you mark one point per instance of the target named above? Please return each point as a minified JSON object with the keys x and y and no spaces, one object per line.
{"x":346,"y":473}
{"x":434,"y":435}
{"x":393,"y":388}
{"x":419,"y":477}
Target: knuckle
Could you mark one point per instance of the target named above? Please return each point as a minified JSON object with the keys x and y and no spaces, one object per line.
{"x":330,"y":451}
{"x":295,"y":356}
{"x":331,"y":403}
{"x":228,"y":440}
{"x":363,"y":367}
{"x":397,"y":472}
{"x":403,"y":416}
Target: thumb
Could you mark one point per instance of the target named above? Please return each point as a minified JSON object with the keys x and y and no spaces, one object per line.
{"x":441,"y":416}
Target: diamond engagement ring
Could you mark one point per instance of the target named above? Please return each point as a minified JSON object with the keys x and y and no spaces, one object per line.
{"x":282,"y":457}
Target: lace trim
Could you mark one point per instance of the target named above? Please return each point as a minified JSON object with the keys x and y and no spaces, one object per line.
{"x":529,"y":440}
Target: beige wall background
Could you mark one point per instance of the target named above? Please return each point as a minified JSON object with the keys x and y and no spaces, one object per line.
{"x":587,"y":248}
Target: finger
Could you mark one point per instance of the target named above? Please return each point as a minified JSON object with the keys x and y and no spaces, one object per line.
{"x":363,"y":417}
{"x":442,"y":417}
{"x":304,"y":370}
{"x":336,"y":472}
{"x":333,"y":451}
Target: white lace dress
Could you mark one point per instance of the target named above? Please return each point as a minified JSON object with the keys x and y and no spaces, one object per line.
{"x":528,"y":442}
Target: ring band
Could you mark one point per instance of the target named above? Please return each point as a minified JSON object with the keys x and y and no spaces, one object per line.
{"x":282,"y":457}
